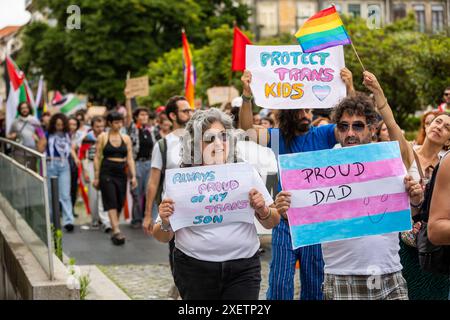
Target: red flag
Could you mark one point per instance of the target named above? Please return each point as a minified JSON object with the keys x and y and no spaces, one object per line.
{"x":240,"y":40}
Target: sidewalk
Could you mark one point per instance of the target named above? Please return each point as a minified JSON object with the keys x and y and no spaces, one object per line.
{"x":140,"y":268}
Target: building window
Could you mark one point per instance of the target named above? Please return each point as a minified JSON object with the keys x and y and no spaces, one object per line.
{"x":305,"y":10}
{"x":437,"y":18}
{"x":338,"y":7}
{"x":399,"y":11}
{"x":374,"y":16}
{"x":354,"y":10}
{"x":420,"y":16}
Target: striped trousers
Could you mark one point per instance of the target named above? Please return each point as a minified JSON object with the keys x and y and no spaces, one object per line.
{"x":282,"y":268}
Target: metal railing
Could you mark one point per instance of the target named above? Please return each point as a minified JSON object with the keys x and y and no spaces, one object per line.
{"x":24,"y":199}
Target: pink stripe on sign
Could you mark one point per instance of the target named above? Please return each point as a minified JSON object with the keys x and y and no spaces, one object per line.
{"x":349,"y":209}
{"x":341,"y":174}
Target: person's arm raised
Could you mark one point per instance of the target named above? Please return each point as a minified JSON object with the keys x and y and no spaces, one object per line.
{"x":246,"y":113}
{"x":395,"y":133}
{"x":129,"y":116}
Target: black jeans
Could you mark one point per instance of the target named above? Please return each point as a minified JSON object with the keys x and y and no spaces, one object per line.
{"x":238,"y":279}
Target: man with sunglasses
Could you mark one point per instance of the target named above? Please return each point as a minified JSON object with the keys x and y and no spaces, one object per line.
{"x":445,"y":105}
{"x":295,"y":134}
{"x":365,"y":268}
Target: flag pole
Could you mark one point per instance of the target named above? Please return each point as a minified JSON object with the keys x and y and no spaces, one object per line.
{"x":230,"y":79}
{"x":354,"y":49}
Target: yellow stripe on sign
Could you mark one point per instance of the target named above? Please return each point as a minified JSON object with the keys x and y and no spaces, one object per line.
{"x":321,"y":20}
{"x":321,"y":28}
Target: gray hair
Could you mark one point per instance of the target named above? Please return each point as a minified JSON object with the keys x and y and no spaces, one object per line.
{"x":201,"y":121}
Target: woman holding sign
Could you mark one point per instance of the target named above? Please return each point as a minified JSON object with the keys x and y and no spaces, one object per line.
{"x":217,"y":260}
{"x":420,"y":162}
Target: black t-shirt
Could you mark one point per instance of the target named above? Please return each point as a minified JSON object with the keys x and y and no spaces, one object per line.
{"x":145,"y":144}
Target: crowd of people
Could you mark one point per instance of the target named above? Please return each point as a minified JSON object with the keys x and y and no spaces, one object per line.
{"x":129,"y":150}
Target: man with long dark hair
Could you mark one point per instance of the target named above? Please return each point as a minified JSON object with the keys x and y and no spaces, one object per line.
{"x":295,"y":134}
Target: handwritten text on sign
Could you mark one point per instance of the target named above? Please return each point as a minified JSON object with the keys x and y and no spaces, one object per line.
{"x":210,"y":194}
{"x":283,"y":77}
{"x":345,"y":193}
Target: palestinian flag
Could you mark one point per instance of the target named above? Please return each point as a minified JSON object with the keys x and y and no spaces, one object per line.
{"x":18,"y":91}
{"x":67,"y":104}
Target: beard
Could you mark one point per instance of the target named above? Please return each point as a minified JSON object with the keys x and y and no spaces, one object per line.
{"x":303,"y":125}
{"x":351,"y":141}
{"x":180,"y":122}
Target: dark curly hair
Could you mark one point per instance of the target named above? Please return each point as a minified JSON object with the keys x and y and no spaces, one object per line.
{"x":359,"y":105}
{"x":56,"y":117}
{"x":288,"y":123}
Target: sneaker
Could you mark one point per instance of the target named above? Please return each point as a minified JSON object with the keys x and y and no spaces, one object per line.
{"x":95,"y":225}
{"x":69,"y":227}
{"x":136,"y":225}
{"x":106,"y":229}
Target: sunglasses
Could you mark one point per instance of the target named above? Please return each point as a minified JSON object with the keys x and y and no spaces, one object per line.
{"x":211,"y":137}
{"x":356,"y":126}
{"x":447,"y":94}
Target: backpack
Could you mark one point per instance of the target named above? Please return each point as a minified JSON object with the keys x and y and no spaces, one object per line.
{"x":162,"y":143}
{"x":432,"y":258}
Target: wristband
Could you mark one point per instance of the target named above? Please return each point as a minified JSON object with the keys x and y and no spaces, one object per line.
{"x":245,"y":98}
{"x":164,"y":228}
{"x":417,"y":206}
{"x":267,"y":216}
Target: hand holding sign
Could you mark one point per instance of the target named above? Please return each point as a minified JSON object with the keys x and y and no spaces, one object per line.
{"x":166,"y":209}
{"x":257,"y":202}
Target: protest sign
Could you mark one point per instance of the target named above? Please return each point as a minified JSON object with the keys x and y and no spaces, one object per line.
{"x":96,"y":111}
{"x":138,"y":86}
{"x":221,"y":94}
{"x":208,"y":195}
{"x":283,"y":77}
{"x":345,"y":193}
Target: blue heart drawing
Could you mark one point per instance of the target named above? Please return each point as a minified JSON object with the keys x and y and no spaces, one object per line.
{"x":321,"y":92}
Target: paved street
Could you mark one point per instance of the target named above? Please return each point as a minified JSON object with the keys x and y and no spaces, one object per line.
{"x":140,"y":267}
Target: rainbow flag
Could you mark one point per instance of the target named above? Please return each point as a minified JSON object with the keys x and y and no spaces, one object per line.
{"x":345,"y":193}
{"x":189,"y":71}
{"x":323,"y":30}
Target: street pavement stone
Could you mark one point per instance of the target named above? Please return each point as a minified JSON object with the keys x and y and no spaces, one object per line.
{"x":153,"y":282}
{"x":139,"y":268}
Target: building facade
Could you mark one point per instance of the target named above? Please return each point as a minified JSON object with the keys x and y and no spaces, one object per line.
{"x":274,"y":17}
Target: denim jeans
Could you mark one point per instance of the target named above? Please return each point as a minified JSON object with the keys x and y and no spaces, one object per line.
{"x":98,"y":214}
{"x":238,"y":279}
{"x":142,"y":175}
{"x":61,"y":169}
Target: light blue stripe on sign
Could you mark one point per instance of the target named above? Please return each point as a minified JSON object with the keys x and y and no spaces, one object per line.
{"x":328,"y":231}
{"x":334,"y":157}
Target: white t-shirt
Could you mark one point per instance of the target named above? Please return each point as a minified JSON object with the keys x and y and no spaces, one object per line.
{"x":363,"y":256}
{"x":173,"y":153}
{"x":218,"y":243}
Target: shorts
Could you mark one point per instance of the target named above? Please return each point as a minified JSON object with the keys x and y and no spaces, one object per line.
{"x":113,"y":184}
{"x":383,"y":287}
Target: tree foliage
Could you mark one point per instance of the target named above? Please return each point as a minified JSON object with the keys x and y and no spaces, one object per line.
{"x":412,"y":67}
{"x":115,"y":37}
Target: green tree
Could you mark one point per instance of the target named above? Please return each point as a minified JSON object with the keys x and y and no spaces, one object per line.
{"x":115,"y":37}
{"x":412,"y":67}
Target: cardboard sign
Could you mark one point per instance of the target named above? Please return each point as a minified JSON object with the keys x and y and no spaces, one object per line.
{"x":138,"y":86}
{"x":221,"y":94}
{"x":205,"y":195}
{"x":345,"y":193}
{"x":283,"y":77}
{"x":96,"y":111}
